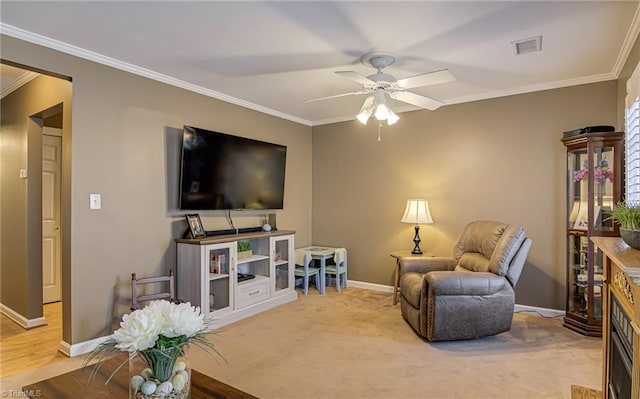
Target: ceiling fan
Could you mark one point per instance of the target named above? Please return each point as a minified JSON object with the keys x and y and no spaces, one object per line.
{"x":379,"y":84}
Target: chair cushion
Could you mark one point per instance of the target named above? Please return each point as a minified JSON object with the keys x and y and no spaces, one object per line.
{"x":480,"y":236}
{"x":507,"y":247}
{"x":472,"y":262}
{"x":487,"y":246}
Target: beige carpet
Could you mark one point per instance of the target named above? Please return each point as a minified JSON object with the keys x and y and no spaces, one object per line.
{"x":356,"y":345}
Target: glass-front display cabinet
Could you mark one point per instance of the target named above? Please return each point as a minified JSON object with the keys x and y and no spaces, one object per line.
{"x":594,"y":186}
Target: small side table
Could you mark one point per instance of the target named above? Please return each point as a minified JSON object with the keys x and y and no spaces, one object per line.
{"x":403,"y":254}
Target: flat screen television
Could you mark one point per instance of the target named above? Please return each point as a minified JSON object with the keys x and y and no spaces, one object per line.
{"x":222,"y":171}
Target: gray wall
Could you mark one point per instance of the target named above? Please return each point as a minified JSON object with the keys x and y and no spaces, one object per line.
{"x":498,"y":159}
{"x":125,"y":146}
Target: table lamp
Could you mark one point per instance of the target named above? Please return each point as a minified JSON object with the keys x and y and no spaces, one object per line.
{"x":417,"y":212}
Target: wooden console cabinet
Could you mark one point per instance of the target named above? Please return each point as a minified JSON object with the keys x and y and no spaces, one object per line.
{"x":209,"y":274}
{"x":621,"y":323}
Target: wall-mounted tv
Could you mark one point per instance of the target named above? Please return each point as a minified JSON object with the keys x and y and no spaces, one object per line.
{"x":222,"y":171}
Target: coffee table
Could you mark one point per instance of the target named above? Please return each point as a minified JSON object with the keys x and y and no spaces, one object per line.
{"x":75,"y":384}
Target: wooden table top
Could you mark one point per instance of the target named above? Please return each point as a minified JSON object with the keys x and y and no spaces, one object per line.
{"x":406,"y":253}
{"x":75,"y":384}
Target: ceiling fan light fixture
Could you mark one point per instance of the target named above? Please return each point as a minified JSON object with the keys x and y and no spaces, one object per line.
{"x":367,"y":110}
{"x":382,"y":112}
{"x":392,"y":118}
{"x":364,"y":116}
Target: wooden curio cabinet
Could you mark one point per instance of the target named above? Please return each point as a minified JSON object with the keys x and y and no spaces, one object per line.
{"x":594,"y":186}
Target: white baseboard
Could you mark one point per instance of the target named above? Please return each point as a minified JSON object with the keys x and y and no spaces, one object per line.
{"x":545,"y":312}
{"x":81,"y":347}
{"x":370,"y":286}
{"x":20,"y":319}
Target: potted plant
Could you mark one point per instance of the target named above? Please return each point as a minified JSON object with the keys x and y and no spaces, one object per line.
{"x":244,"y":249}
{"x":628,"y":217}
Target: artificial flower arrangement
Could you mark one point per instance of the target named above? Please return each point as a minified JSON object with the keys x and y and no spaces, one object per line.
{"x":158,"y":334}
{"x":600,"y":173}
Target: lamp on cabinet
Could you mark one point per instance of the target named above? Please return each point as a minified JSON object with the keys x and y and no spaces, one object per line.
{"x":417,"y":213}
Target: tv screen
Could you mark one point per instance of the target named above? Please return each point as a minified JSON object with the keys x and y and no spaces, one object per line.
{"x":222,"y":171}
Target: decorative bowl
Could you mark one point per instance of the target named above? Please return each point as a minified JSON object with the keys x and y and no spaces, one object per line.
{"x":631,"y":237}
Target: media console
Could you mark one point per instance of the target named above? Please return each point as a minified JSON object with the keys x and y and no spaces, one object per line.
{"x":209,"y":273}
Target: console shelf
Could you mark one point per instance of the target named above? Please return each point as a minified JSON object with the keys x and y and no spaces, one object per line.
{"x":208,"y":268}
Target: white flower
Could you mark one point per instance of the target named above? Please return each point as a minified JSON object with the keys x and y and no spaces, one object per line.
{"x":138,"y":331}
{"x":183,"y":319}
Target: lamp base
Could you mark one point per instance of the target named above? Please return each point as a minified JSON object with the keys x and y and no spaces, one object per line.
{"x":416,"y":241}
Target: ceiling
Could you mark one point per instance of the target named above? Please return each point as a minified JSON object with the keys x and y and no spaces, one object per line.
{"x":272,"y":56}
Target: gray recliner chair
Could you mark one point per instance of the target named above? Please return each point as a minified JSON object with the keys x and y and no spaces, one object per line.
{"x":471,"y":294}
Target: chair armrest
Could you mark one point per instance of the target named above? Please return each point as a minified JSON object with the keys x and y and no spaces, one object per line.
{"x":426,"y":264}
{"x":464,"y":283}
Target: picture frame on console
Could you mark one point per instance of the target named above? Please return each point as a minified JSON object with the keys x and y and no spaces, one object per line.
{"x":196,"y":229}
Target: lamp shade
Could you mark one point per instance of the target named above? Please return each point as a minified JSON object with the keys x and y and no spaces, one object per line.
{"x":417,"y":212}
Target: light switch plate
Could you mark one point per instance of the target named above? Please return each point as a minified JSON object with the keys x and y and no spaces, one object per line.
{"x":95,"y":201}
{"x":23,"y":173}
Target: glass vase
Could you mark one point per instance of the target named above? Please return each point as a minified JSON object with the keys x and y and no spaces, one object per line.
{"x":155,"y":373}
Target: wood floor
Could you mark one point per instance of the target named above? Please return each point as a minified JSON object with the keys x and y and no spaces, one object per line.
{"x":22,"y":349}
{"x":578,"y":392}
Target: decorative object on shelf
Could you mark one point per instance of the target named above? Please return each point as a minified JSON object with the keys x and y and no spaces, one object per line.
{"x":600,"y":172}
{"x":217,"y":263}
{"x":628,"y":217}
{"x":157,"y":338}
{"x":195,"y":226}
{"x":417,"y":213}
{"x":244,"y":249}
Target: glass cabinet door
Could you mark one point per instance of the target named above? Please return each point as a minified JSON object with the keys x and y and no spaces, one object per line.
{"x":602,"y":197}
{"x":282,"y":260}
{"x":219,"y":278}
{"x":578,"y":189}
{"x":578,"y":275}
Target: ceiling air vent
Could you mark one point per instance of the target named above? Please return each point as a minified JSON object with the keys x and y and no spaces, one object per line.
{"x":529,"y":45}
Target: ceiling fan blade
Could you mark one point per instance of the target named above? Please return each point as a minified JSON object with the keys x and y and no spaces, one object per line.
{"x":354,"y":93}
{"x":426,"y":79}
{"x":416,"y":99}
{"x":356,"y":77}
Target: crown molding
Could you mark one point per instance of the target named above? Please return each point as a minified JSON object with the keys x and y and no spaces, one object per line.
{"x":533,"y":88}
{"x":22,"y":80}
{"x":67,"y":48}
{"x":627,"y":45}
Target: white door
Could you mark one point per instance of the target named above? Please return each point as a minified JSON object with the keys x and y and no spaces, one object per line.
{"x":51,"y":257}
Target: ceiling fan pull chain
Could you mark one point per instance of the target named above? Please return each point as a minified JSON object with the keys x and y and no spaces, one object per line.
{"x":379,"y":127}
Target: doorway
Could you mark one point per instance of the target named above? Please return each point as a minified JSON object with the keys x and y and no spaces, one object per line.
{"x":36,"y":120}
